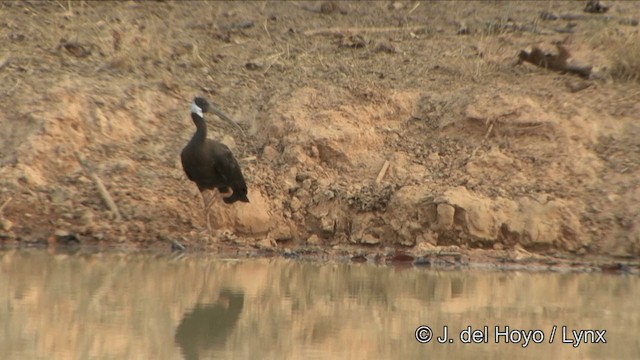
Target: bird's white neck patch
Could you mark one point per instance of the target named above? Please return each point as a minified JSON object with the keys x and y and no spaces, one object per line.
{"x":196,"y":109}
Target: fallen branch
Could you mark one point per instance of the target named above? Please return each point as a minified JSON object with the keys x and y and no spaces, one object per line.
{"x":355,"y":30}
{"x":100,"y":185}
{"x":382,"y":172}
{"x":556,"y":62}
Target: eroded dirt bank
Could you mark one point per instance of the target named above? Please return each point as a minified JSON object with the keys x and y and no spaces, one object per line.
{"x":481,"y":157}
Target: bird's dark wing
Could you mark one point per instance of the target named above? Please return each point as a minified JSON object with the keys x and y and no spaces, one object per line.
{"x":227,"y":167}
{"x":184,"y":160}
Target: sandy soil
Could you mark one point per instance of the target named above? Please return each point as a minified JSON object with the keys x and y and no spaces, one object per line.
{"x":485,"y":158}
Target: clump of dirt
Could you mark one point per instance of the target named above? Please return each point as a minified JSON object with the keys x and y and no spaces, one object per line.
{"x":443,"y":143}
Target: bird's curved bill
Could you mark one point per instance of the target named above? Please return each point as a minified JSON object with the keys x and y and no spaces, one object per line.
{"x":226,"y":117}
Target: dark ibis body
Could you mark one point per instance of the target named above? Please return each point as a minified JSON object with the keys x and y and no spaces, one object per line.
{"x":209,"y":163}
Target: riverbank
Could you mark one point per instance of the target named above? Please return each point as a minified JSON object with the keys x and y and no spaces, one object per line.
{"x":392,"y":128}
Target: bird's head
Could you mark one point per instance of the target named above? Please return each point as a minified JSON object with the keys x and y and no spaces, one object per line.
{"x":199,"y":106}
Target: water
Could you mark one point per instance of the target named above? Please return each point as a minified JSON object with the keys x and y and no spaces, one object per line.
{"x":146,"y":306}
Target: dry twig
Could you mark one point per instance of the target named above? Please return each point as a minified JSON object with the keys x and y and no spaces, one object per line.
{"x":100,"y":185}
{"x":382,"y":172}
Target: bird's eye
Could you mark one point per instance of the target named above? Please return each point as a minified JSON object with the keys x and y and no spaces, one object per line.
{"x":202,"y":103}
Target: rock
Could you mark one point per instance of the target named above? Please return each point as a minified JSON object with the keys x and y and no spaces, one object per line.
{"x":352,"y":41}
{"x":303,"y":195}
{"x":61,"y":232}
{"x":327,"y":225}
{"x":295,"y":204}
{"x":289,"y":180}
{"x":302,"y":175}
{"x":7,"y":235}
{"x":265,"y":244}
{"x":396,"y":5}
{"x":594,"y":6}
{"x":577,"y":85}
{"x":407,"y":241}
{"x":369,"y":239}
{"x":30,"y":175}
{"x":69,"y":239}
{"x":288,"y":253}
{"x":295,"y":154}
{"x":306,"y":184}
{"x":314,"y":152}
{"x":314,"y":240}
{"x":269,"y":153}
{"x":33,"y":238}
{"x":254,"y":64}
{"x":478,"y":219}
{"x":353,"y":239}
{"x":281,"y":233}
{"x":87,"y":218}
{"x":297,"y":217}
{"x":58,"y":196}
{"x":253,"y":218}
{"x":425,"y":245}
{"x":524,"y":220}
{"x":399,"y":257}
{"x":445,"y":220}
{"x":434,"y":158}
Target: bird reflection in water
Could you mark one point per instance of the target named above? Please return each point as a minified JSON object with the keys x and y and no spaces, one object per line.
{"x":207,"y":326}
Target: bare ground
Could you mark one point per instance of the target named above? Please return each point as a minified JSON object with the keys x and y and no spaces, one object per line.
{"x":486,"y":160}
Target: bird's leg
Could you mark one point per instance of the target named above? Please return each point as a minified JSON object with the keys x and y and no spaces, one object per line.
{"x":206,"y":205}
{"x":213,"y":196}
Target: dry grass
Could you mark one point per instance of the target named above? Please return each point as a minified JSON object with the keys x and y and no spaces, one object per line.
{"x":625,"y":59}
{"x":619,"y":46}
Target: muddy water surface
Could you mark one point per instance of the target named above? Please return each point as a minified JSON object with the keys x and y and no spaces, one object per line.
{"x":151,"y":306}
